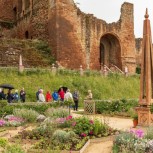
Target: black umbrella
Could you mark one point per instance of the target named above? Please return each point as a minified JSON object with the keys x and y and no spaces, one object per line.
{"x":64,"y":89}
{"x":6,"y":86}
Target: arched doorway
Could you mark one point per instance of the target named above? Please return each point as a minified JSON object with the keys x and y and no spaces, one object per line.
{"x":110,"y":50}
{"x":27,"y":35}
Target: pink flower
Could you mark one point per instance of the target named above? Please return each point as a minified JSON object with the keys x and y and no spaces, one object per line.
{"x":91,"y":122}
{"x":60,"y":120}
{"x":69,"y":117}
{"x":83,"y":135}
{"x":74,"y":123}
{"x":2,"y":122}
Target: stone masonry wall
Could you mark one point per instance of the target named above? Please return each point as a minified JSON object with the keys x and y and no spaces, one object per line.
{"x":6,"y":10}
{"x":79,"y":34}
{"x":75,"y":37}
{"x":32,"y":20}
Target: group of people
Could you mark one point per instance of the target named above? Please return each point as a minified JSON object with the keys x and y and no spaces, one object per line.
{"x":10,"y":97}
{"x":60,"y":95}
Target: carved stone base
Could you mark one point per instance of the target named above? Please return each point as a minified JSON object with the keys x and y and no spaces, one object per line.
{"x":21,"y":68}
{"x":144,"y":116}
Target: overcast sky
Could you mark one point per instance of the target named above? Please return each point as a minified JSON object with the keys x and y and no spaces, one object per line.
{"x":109,"y":10}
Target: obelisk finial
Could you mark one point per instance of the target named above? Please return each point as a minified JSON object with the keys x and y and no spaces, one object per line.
{"x":146,"y":15}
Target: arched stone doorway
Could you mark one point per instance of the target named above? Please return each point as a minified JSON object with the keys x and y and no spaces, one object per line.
{"x":27,"y":35}
{"x":110,"y":50}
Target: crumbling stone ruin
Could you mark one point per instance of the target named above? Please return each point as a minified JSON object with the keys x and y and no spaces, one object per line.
{"x":76,"y":38}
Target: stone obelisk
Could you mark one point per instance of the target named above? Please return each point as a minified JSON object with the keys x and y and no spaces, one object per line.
{"x":21,"y":67}
{"x":146,"y":79}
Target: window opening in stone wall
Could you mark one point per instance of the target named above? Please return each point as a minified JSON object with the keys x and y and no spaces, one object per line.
{"x":15,"y":13}
{"x":27,"y":35}
{"x":27,"y":4}
{"x":19,"y":6}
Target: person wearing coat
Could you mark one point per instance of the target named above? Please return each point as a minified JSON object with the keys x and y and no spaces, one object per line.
{"x":48,"y":96}
{"x":41,"y":96}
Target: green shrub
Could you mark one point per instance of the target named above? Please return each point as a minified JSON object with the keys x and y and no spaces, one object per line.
{"x":3,"y":103}
{"x":57,"y":113}
{"x":40,"y":108}
{"x":28,"y":114}
{"x":149,"y":133}
{"x":60,"y":136}
{"x":14,"y":149}
{"x":3,"y":142}
{"x":84,"y":126}
{"x":116,"y":106}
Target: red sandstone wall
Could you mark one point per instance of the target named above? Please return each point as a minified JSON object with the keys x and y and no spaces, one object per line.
{"x":33,"y":19}
{"x":6,"y":10}
{"x":77,"y":36}
{"x":64,"y":33}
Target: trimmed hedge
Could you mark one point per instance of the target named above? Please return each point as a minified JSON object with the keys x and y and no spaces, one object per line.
{"x":40,"y":108}
{"x":116,"y":107}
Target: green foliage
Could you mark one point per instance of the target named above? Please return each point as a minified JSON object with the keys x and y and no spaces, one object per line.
{"x":149,"y":133}
{"x":57,"y":113}
{"x":133,"y":114}
{"x":117,"y":107}
{"x":3,"y":142}
{"x":83,"y":126}
{"x":40,"y":108}
{"x":14,"y":149}
{"x":28,"y":114}
{"x":60,"y":136}
{"x":3,"y":103}
{"x":138,"y":70}
{"x":111,"y":87}
{"x":97,"y":127}
{"x":44,"y":48}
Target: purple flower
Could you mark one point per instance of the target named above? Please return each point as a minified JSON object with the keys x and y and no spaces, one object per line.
{"x":2,"y":122}
{"x":139,"y":133}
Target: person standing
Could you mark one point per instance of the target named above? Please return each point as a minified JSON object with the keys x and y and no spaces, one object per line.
{"x":41,"y":96}
{"x":48,"y":97}
{"x":9,"y":96}
{"x":55,"y":96}
{"x":76,"y":99}
{"x":22,"y":95}
{"x":68,"y":95}
{"x":61,"y":94}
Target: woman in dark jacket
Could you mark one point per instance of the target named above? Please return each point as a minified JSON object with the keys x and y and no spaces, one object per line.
{"x":9,"y":96}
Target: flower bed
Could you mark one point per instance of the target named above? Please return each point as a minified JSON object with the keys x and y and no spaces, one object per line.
{"x":66,"y":133}
{"x":134,"y":141}
{"x":11,"y":121}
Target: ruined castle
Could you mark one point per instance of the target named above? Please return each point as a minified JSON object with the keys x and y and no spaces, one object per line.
{"x":75,"y":38}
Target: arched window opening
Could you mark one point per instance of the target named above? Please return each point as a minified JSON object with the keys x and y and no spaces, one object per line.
{"x":27,"y":35}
